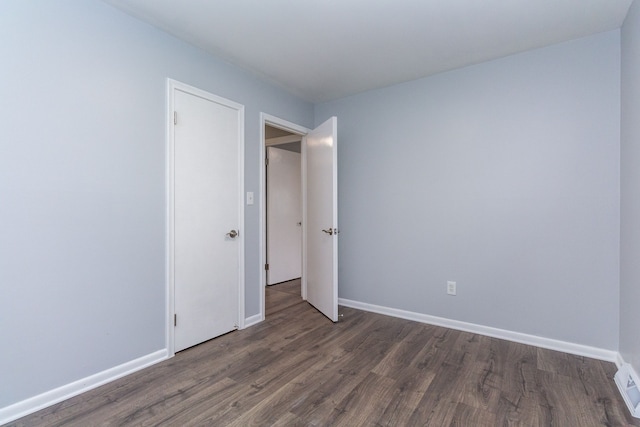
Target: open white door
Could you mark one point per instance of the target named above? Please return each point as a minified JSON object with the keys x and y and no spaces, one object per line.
{"x":322,"y":218}
{"x":284,"y":216}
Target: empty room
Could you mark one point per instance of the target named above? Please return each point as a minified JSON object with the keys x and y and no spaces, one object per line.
{"x":467,"y":212}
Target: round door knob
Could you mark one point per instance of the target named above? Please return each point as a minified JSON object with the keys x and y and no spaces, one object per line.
{"x":233,"y":234}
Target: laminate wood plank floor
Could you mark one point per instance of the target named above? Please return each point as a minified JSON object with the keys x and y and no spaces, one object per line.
{"x":299,"y":369}
{"x":282,"y":295}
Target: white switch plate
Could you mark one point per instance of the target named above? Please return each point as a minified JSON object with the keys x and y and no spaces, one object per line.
{"x":451,"y":288}
{"x":249,"y":197}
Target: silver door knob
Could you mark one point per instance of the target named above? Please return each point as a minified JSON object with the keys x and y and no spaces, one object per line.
{"x":329,"y":231}
{"x":233,"y":234}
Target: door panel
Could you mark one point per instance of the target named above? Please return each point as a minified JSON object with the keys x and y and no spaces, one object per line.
{"x":206,"y":192}
{"x":322,"y":214}
{"x":284,"y":216}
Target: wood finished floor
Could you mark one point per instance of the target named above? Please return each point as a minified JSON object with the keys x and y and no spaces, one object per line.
{"x":281,"y":296}
{"x":299,"y":369}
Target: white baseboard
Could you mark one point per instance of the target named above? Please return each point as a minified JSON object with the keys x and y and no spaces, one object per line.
{"x":51,"y":397}
{"x":619,"y":361}
{"x":253,"y":320}
{"x":548,"y":343}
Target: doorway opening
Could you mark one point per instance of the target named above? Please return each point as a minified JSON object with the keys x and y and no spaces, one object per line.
{"x":282,"y":216}
{"x":319,"y":183}
{"x":283,"y":165}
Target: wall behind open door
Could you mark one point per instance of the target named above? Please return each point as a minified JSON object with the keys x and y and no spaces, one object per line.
{"x":502,"y":176}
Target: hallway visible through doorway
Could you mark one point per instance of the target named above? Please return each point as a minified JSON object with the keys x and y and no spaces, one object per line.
{"x":281,"y":296}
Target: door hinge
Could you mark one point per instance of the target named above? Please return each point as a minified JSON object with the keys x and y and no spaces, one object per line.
{"x":266,"y":267}
{"x":175,"y":117}
{"x":266,"y":161}
{"x":175,"y":320}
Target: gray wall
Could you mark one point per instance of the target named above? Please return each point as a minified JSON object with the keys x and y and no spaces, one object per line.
{"x":82,"y":185}
{"x":630,"y":191}
{"x":503,"y":177}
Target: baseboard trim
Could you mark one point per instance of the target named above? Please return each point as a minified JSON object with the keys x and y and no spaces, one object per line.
{"x":253,"y":320}
{"x":51,"y":397}
{"x":548,"y":343}
{"x":619,"y":361}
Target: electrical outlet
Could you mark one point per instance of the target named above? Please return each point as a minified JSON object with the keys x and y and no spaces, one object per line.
{"x":451,"y":288}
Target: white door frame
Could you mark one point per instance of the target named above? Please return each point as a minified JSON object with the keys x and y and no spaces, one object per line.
{"x":172,"y":86}
{"x":267,"y":119}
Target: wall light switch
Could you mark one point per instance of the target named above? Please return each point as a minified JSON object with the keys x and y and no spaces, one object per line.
{"x":249,"y":197}
{"x":451,"y":288}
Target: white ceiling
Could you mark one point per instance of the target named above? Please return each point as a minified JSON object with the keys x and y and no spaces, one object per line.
{"x":326,"y":49}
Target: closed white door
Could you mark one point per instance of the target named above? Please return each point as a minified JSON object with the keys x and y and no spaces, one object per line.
{"x":322,"y":218}
{"x":284,"y":215}
{"x":206,"y":216}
